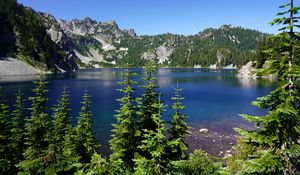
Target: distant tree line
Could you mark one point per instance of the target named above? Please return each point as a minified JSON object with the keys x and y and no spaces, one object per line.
{"x":143,"y":143}
{"x":224,"y":46}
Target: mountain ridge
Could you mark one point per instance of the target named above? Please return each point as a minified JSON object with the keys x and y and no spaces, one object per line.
{"x":90,"y":43}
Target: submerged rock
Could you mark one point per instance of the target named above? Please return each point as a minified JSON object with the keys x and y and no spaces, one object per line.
{"x":203,"y":130}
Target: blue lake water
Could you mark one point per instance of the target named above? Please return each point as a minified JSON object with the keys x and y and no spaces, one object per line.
{"x":211,"y":96}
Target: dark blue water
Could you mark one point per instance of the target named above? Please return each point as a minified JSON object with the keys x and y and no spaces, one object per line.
{"x":211,"y":96}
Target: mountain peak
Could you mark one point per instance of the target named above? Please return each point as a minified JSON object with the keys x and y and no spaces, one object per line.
{"x":88,"y":20}
{"x":130,"y":32}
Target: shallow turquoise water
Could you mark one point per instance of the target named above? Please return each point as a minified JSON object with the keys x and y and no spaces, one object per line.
{"x":211,"y":96}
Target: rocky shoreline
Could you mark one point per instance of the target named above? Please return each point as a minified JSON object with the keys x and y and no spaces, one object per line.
{"x":218,"y":140}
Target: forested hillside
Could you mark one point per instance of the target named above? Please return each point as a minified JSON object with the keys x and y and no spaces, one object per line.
{"x":58,"y":45}
{"x":23,"y":34}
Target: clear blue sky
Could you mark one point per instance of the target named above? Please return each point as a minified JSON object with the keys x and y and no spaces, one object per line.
{"x":161,"y":16}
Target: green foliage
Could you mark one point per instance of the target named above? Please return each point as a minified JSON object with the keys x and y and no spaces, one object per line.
{"x":199,"y":163}
{"x":5,"y":134}
{"x":34,"y":43}
{"x":280,"y":128}
{"x":275,"y":146}
{"x":266,"y":162}
{"x":154,"y":144}
{"x":7,"y":37}
{"x":232,"y":45}
{"x":18,"y":130}
{"x":62,"y":142}
{"x":37,"y":155}
{"x":223,"y":46}
{"x":149,"y":97}
{"x":86,"y":144}
{"x":178,"y":131}
{"x":145,"y":121}
{"x":62,"y":121}
{"x":242,"y":150}
{"x":97,"y":166}
{"x":123,"y":143}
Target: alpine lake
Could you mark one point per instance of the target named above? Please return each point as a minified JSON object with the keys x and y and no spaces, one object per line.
{"x":214,"y":98}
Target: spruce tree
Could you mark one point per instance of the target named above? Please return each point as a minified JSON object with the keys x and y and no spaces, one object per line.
{"x":86,"y":144}
{"x":199,"y":163}
{"x":275,"y":147}
{"x":18,"y":129}
{"x":154,"y":143}
{"x":146,"y":106}
{"x":178,"y":130}
{"x":37,"y":156}
{"x":5,"y":157}
{"x":149,"y":97}
{"x":62,"y":142}
{"x":123,"y":143}
{"x":62,"y":118}
{"x":97,"y":166}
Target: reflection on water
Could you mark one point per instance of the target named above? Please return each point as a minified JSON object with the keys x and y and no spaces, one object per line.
{"x":247,"y":82}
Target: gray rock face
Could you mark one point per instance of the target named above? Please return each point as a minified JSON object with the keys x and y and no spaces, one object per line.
{"x":12,"y":66}
{"x":247,"y":71}
{"x":161,"y":54}
{"x":69,"y":63}
{"x":88,"y":34}
{"x":88,"y":26}
{"x":130,"y":32}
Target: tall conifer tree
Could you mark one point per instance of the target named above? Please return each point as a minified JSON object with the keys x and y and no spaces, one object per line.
{"x":5,"y":135}
{"x":62,"y":118}
{"x":149,"y":97}
{"x":123,"y":143}
{"x":37,"y":154}
{"x":154,"y":143}
{"x":18,"y":130}
{"x":276,"y":146}
{"x":86,"y":144}
{"x":178,"y":131}
{"x":146,"y":106}
{"x":62,"y":141}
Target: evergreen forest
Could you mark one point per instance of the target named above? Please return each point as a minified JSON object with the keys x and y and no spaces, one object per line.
{"x":42,"y":140}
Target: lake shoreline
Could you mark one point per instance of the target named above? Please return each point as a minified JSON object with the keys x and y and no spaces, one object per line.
{"x":219,"y":140}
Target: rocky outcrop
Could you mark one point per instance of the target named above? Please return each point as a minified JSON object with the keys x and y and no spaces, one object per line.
{"x":63,"y":42}
{"x":161,"y":54}
{"x":12,"y":66}
{"x":247,"y":71}
{"x":130,"y":32}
